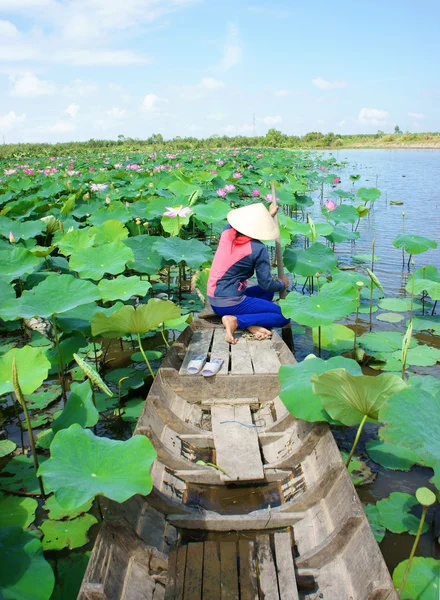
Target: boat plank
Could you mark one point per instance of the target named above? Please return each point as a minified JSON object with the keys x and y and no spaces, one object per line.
{"x":236,"y":443}
{"x":285,"y":567}
{"x":241,"y":363}
{"x":180,"y":572}
{"x":228,"y":569}
{"x":267,"y":574}
{"x":264,"y":356}
{"x":211,"y":572}
{"x":248,"y":570}
{"x":199,"y":345}
{"x":221,"y":349}
{"x":193,"y":572}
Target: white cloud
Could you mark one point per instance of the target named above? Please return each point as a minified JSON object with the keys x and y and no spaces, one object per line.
{"x":232,"y":51}
{"x":117,"y":113}
{"x":341,"y":123}
{"x":11,"y":120}
{"x":245,"y":129}
{"x":282,"y":93}
{"x":59,"y":127}
{"x":29,"y":85}
{"x":19,"y":5}
{"x":218,"y":116}
{"x":373,"y":116}
{"x":209,"y":83}
{"x":151,"y":102}
{"x":7,"y":29}
{"x":100,"y":58}
{"x":81,"y":88}
{"x":269,"y":120}
{"x":72,"y":110}
{"x":199,"y":90}
{"x":415,"y":115}
{"x":324,"y":84}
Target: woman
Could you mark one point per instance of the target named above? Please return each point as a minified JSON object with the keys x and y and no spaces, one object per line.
{"x":240,"y":253}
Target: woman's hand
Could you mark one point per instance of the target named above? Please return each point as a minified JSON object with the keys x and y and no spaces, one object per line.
{"x":273,"y":210}
{"x":285,"y":281}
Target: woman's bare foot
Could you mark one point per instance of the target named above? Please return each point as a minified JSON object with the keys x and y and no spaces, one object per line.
{"x":261,"y":333}
{"x":230,"y":323}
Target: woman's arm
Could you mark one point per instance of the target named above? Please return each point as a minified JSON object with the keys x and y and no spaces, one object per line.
{"x":264,"y":276}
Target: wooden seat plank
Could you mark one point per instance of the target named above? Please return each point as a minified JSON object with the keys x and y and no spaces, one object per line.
{"x":170,"y":592}
{"x":193,"y":572}
{"x":180,"y":572}
{"x":199,"y":345}
{"x":264,"y":356}
{"x":248,"y":570}
{"x":236,"y":443}
{"x":211,"y":572}
{"x":221,"y":349}
{"x":285,"y":567}
{"x":241,"y":363}
{"x":228,"y":570}
{"x":267,"y":575}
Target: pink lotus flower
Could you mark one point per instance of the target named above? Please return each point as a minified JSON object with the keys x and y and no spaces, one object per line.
{"x":255,"y":193}
{"x":177,"y":211}
{"x":91,"y":168}
{"x":213,"y":172}
{"x":236,"y":175}
{"x":28,"y":171}
{"x":98,"y":187}
{"x":221,"y":192}
{"x":269,"y":198}
{"x":219,"y":161}
{"x":10,"y":171}
{"x":336,"y":180}
{"x":330,"y":205}
{"x":230,"y":187}
{"x":178,"y":165}
{"x":259,"y":155}
{"x":323,"y":168}
{"x":117,"y":166}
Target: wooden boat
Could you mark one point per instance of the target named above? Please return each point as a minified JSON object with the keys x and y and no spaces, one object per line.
{"x":276,"y":518}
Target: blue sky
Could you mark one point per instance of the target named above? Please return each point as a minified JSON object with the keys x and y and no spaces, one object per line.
{"x":81,"y":69}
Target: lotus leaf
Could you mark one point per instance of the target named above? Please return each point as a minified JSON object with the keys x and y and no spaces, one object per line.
{"x":7,"y":292}
{"x":68,"y":347}
{"x":146,"y":259}
{"x":150,"y":354}
{"x":79,"y":408}
{"x":200,"y":283}
{"x":383,"y":341}
{"x":176,"y":250}
{"x":389,"y":317}
{"x":21,"y":229}
{"x":365,"y":258}
{"x":45,"y":396}
{"x":54,"y":295}
{"x":116,"y":211}
{"x":104,"y":403}
{"x":6,"y":447}
{"x":122,"y":288}
{"x":336,"y":338}
{"x":67,"y":534}
{"x":23,"y":477}
{"x":56,"y":512}
{"x":429,"y":383}
{"x":397,"y":304}
{"x":133,"y":379}
{"x":83,"y":465}
{"x":213,"y":212}
{"x":316,"y":259}
{"x":414,"y":244}
{"x":133,"y":410}
{"x":30,"y":378}
{"x":342,"y":234}
{"x":394,"y":513}
{"x":79,"y":319}
{"x":16,"y":262}
{"x":348,"y":398}
{"x":93,"y":263}
{"x":368,"y":194}
{"x":334,"y":302}
{"x":173,"y":225}
{"x":109,"y":231}
{"x":78,"y":239}
{"x":423,"y":581}
{"x":135,"y":320}
{"x":392,"y":456}
{"x":296,"y":389}
{"x":364,"y":309}
{"x":420,"y":356}
{"x":298,"y":227}
{"x":374,"y":520}
{"x":428,"y":323}
{"x":422,"y":284}
{"x":351,"y":277}
{"x":344,"y":213}
{"x":22,"y":565}
{"x":16,"y":510}
{"x":360,"y":473}
{"x":70,"y":573}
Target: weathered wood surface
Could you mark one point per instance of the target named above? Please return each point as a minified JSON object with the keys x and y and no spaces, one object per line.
{"x":285,"y":567}
{"x":199,"y":346}
{"x":236,"y":443}
{"x":267,"y":575}
{"x":248,"y":570}
{"x":241,"y":363}
{"x":211,"y":572}
{"x":264,"y":357}
{"x":221,"y":349}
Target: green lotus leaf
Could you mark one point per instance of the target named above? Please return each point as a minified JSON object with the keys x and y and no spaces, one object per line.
{"x":67,"y":534}
{"x":21,"y":229}
{"x":83,"y":465}
{"x":315,"y":259}
{"x":6,"y":447}
{"x":336,"y":338}
{"x":420,"y":356}
{"x":56,"y":294}
{"x":389,"y":317}
{"x":79,"y":408}
{"x":429,"y":383}
{"x":213,"y":212}
{"x":16,"y":263}
{"x":150,"y":354}
{"x":374,"y":520}
{"x":45,"y":396}
{"x":364,"y":309}
{"x":122,"y":288}
{"x":297,"y":391}
{"x":423,"y":581}
{"x":351,"y":277}
{"x":146,"y":259}
{"x":44,"y":438}
{"x":394,"y":513}
{"x":134,"y":320}
{"x":70,"y":573}
{"x":176,"y":250}
{"x":342,"y":234}
{"x":334,"y":302}
{"x":414,"y":244}
{"x":200,"y":283}
{"x":425,"y":496}
{"x":383,"y":341}
{"x":57,"y":512}
{"x":363,"y":258}
{"x":427,"y":323}
{"x":397,"y":304}
{"x":93,"y":263}
{"x":78,"y":239}
{"x":344,"y":213}
{"x":79,"y":319}
{"x":360,"y":473}
{"x":109,"y":231}
{"x":68,"y":347}
{"x":392,"y":456}
{"x":368,"y":194}
{"x":133,"y":410}
{"x":7,"y":292}
{"x":32,"y":368}
{"x":362,"y":211}
{"x":21,"y":475}
{"x":116,"y":211}
{"x":17,"y":510}
{"x":301,"y":228}
{"x":348,"y":398}
{"x":22,"y":566}
{"x":133,"y":379}
{"x":421,"y":284}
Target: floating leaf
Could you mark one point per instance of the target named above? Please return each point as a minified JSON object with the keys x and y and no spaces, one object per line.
{"x":397,"y":304}
{"x":45,"y":396}
{"x":414,"y":244}
{"x":70,"y":573}
{"x":83,"y":465}
{"x":57,"y":512}
{"x":392,"y":456}
{"x":133,"y":379}
{"x":22,"y":476}
{"x":423,"y":581}
{"x":122,"y":288}
{"x":79,"y":408}
{"x":133,"y":410}
{"x":94,"y":263}
{"x":420,"y":356}
{"x":6,"y":447}
{"x":394,"y":513}
{"x":146,"y":259}
{"x":374,"y":520}
{"x":67,"y":534}
{"x":365,"y":258}
{"x":316,"y":259}
{"x":383,"y":341}
{"x":336,"y":338}
{"x":360,"y":473}
{"x":390,"y":317}
{"x":193,"y":252}
{"x":22,"y":566}
{"x":213,"y":212}
{"x":30,"y":378}
{"x":16,"y":510}
{"x":427,"y":323}
{"x":17,"y":262}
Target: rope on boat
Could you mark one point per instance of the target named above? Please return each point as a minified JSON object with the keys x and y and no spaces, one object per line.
{"x":252,"y":426}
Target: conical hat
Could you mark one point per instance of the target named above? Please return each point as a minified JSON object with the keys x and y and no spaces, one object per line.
{"x":254,"y":221}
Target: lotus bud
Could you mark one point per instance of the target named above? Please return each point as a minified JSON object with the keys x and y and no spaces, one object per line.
{"x":86,"y":196}
{"x":127,"y":204}
{"x":403,"y":213}
{"x":359,"y":283}
{"x":310,"y":356}
{"x":107,"y":199}
{"x":138,"y":221}
{"x":51,"y":223}
{"x":146,"y":225}
{"x":151,"y":185}
{"x":11,"y":238}
{"x":60,"y":225}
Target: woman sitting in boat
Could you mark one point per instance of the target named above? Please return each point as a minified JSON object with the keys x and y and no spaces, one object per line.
{"x":240,"y":253}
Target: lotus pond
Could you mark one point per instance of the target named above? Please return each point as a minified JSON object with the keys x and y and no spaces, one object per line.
{"x":104,"y":259}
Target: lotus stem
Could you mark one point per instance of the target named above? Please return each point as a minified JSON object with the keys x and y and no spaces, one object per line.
{"x":145,"y":356}
{"x":60,"y":358}
{"x":94,"y":403}
{"x":403,"y":231}
{"x":414,"y":548}
{"x":356,"y":440}
{"x":120,"y":394}
{"x":412,"y":294}
{"x":22,"y":402}
{"x":164,"y":338}
{"x":433,"y":308}
{"x":319,"y":341}
{"x":96,"y":355}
